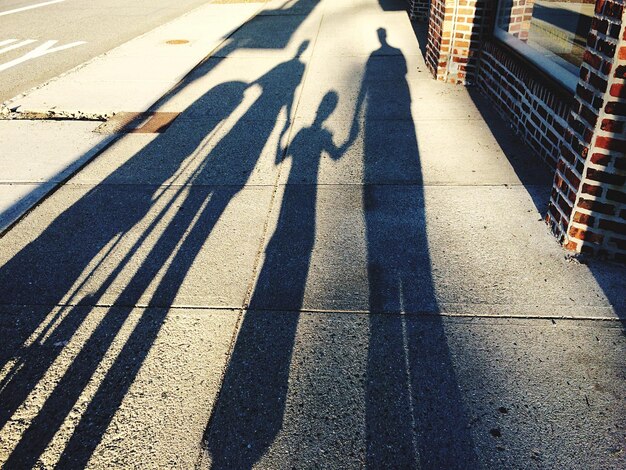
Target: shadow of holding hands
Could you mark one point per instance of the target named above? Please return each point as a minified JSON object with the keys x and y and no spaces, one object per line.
{"x":413,"y":408}
{"x":414,"y":414}
{"x":250,"y":410}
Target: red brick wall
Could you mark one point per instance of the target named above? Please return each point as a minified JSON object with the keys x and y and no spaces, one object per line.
{"x":587,"y":209}
{"x":536,"y":113}
{"x":435,"y":38}
{"x":455,"y":30}
{"x":582,"y":137}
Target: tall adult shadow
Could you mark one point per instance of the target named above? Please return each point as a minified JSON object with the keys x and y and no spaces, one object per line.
{"x":250,"y":410}
{"x":415,"y":417}
{"x":190,"y":226}
{"x":48,"y":270}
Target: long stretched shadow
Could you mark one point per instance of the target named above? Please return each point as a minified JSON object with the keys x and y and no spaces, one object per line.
{"x":40,"y":273}
{"x":251,"y":406}
{"x":415,"y":415}
{"x":83,"y":231}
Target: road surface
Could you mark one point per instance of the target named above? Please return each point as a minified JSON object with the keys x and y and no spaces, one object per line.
{"x":40,"y":39}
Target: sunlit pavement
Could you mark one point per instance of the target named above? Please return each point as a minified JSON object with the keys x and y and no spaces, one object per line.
{"x":325,"y":260}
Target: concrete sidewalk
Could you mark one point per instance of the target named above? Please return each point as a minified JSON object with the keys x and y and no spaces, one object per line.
{"x":326,"y":260}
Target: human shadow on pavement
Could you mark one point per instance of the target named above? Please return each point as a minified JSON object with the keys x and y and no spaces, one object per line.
{"x":414,"y":411}
{"x":249,"y":412}
{"x":415,"y":416}
{"x":108,"y":212}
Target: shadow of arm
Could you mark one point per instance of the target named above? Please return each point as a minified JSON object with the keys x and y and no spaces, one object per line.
{"x":355,"y":128}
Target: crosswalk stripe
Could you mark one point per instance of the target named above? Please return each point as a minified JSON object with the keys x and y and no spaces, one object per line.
{"x":26,"y":42}
{"x":30,"y":7}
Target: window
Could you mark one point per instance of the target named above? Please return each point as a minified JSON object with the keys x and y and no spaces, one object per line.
{"x":551,"y":34}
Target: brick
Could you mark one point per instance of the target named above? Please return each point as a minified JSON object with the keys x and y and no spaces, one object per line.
{"x":600,"y":25}
{"x":607,"y":48}
{"x":611,"y":143}
{"x":598,"y":102}
{"x":601,"y":159}
{"x":588,"y":115}
{"x":571,"y":197}
{"x":591,"y":40}
{"x":614,"y":31}
{"x":604,"y":177}
{"x":585,"y":235}
{"x":618,"y":90}
{"x":584,"y":74}
{"x":611,"y":125}
{"x":554,"y":213}
{"x":615,"y":195}
{"x":617,"y":227}
{"x":597,"y":82}
{"x":616,"y":108}
{"x":620,"y":72}
{"x":592,"y":189}
{"x":582,"y":218}
{"x":614,"y":10}
{"x":572,"y":178}
{"x":596,"y":206}
{"x":592,"y":59}
{"x":564,"y":205}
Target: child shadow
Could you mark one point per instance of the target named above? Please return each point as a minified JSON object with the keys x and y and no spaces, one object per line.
{"x":249,"y":413}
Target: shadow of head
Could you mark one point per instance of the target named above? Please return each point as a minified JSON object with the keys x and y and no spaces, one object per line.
{"x":382,"y":37}
{"x":303,"y":47}
{"x":385,"y":47}
{"x":326,"y":108}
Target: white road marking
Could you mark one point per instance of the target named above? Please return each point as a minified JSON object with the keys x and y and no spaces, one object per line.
{"x":44,"y":49}
{"x":30,"y":7}
{"x":7,"y":41}
{"x":25,"y":42}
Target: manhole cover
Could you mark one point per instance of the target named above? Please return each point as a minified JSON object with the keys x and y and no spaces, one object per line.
{"x":137,"y":123}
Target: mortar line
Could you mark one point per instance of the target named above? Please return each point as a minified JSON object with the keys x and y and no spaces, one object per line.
{"x":330,"y":311}
{"x":268,"y":185}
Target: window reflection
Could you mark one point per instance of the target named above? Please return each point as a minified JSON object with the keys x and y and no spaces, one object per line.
{"x":552,"y":34}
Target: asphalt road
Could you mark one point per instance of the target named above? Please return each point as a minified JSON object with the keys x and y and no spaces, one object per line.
{"x":80,"y":29}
